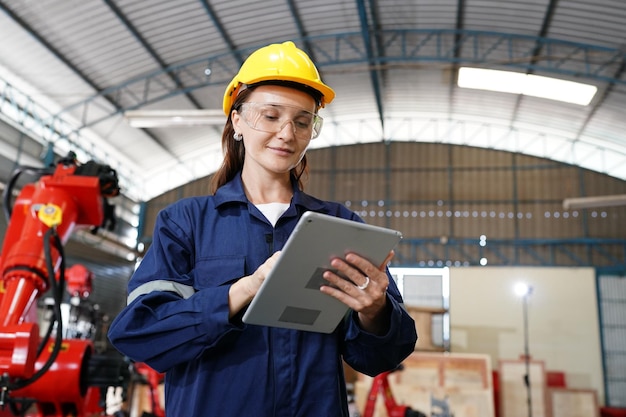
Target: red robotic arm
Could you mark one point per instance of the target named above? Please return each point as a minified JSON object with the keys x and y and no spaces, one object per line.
{"x":31,"y":262}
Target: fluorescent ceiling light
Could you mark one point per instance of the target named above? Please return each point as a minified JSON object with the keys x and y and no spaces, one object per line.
{"x":593,"y":202}
{"x":174,"y":118}
{"x":527,"y":84}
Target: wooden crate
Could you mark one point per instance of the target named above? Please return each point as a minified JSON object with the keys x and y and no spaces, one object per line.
{"x":569,"y":402}
{"x":423,"y":317}
{"x":431,"y":381}
{"x":513,"y":397}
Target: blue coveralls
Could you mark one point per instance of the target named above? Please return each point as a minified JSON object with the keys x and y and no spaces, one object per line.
{"x":176,"y":320}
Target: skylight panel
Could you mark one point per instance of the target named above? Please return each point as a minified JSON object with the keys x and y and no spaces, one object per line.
{"x":526,"y":84}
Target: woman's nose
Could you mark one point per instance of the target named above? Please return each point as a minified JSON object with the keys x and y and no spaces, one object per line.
{"x":290,"y":124}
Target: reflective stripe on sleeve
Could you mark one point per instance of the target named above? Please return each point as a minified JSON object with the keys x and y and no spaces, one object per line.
{"x":183,"y":290}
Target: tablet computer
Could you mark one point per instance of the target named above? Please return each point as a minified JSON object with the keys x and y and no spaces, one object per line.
{"x":290,"y":296}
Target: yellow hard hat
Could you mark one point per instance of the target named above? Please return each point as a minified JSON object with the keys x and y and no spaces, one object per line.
{"x":277,"y":62}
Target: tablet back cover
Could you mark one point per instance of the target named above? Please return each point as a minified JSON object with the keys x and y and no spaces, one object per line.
{"x":290,"y":296}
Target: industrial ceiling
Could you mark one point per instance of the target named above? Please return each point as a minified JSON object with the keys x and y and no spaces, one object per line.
{"x":71,"y":69}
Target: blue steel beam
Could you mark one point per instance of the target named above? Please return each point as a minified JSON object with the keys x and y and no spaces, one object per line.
{"x":36,"y":121}
{"x":293,"y":9}
{"x":71,"y":66}
{"x":54,"y":51}
{"x":402,"y":47}
{"x":542,"y":251}
{"x":454,"y":70}
{"x":144,"y":43}
{"x":545,"y":26}
{"x":372,"y":62}
{"x":308,"y":47}
{"x":594,"y":63}
{"x":220,"y":28}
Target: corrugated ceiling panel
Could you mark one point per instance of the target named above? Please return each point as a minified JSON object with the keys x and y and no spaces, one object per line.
{"x":350,"y":94}
{"x":255,"y":23}
{"x":505,"y":16}
{"x":416,"y":89}
{"x":328,"y":16}
{"x":29,"y":60}
{"x":100,"y":45}
{"x":484,"y":105}
{"x":596,"y":23}
{"x":602,"y":125}
{"x":418,"y":14}
{"x":177,"y":31}
{"x":551,"y":115}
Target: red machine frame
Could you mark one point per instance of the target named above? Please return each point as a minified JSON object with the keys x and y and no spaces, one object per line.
{"x":380,"y":385}
{"x":52,"y":374}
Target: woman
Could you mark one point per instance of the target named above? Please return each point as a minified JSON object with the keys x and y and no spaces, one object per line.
{"x":210,"y":254}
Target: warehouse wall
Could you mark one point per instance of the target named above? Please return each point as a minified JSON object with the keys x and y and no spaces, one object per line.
{"x":487,"y":317}
{"x":429,"y":190}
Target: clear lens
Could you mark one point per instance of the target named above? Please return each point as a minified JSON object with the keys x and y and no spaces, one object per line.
{"x":272,"y":118}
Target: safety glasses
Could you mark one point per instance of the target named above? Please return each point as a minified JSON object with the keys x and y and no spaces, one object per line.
{"x":273,"y":117}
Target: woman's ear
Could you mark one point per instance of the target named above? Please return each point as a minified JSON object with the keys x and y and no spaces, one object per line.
{"x":235,"y":117}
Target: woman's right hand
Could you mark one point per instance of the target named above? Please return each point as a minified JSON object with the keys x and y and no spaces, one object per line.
{"x":243,"y":291}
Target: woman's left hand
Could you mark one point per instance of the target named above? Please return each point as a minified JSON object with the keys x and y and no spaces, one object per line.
{"x":362,"y":286}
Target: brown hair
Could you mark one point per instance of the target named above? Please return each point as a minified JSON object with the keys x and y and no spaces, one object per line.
{"x":234,"y":152}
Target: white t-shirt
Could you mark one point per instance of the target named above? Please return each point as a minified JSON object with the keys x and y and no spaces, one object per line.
{"x":273,"y":211}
